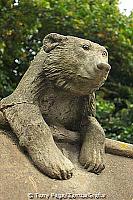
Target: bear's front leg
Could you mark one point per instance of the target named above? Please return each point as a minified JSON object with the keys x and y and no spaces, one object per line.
{"x":93,"y":147}
{"x":34,"y":134}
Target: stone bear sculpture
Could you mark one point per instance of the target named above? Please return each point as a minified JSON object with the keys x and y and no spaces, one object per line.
{"x":59,"y":89}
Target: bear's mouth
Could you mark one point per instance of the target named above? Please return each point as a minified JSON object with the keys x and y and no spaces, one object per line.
{"x":101,"y":83}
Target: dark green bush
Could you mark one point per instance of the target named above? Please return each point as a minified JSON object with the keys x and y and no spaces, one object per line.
{"x":118,"y":124}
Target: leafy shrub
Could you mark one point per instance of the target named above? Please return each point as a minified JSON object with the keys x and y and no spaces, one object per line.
{"x":117,"y":125}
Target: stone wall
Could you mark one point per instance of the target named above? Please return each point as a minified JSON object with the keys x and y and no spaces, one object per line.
{"x":19,"y":177}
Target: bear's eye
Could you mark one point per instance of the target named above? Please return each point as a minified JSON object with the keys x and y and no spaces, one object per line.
{"x":104,"y":53}
{"x":86,"y":46}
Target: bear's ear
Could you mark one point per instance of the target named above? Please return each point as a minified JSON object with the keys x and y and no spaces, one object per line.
{"x":51,"y":41}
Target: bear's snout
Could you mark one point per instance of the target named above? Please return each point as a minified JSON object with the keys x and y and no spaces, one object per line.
{"x":104,"y":67}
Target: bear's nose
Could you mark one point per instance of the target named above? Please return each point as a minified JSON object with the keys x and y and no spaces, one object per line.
{"x":104,"y":67}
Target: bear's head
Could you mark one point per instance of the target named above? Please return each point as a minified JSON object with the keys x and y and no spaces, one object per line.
{"x":75,"y":64}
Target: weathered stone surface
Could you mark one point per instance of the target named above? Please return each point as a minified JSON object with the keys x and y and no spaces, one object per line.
{"x":19,"y":177}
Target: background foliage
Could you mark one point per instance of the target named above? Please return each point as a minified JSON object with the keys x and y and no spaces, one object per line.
{"x":23,"y":25}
